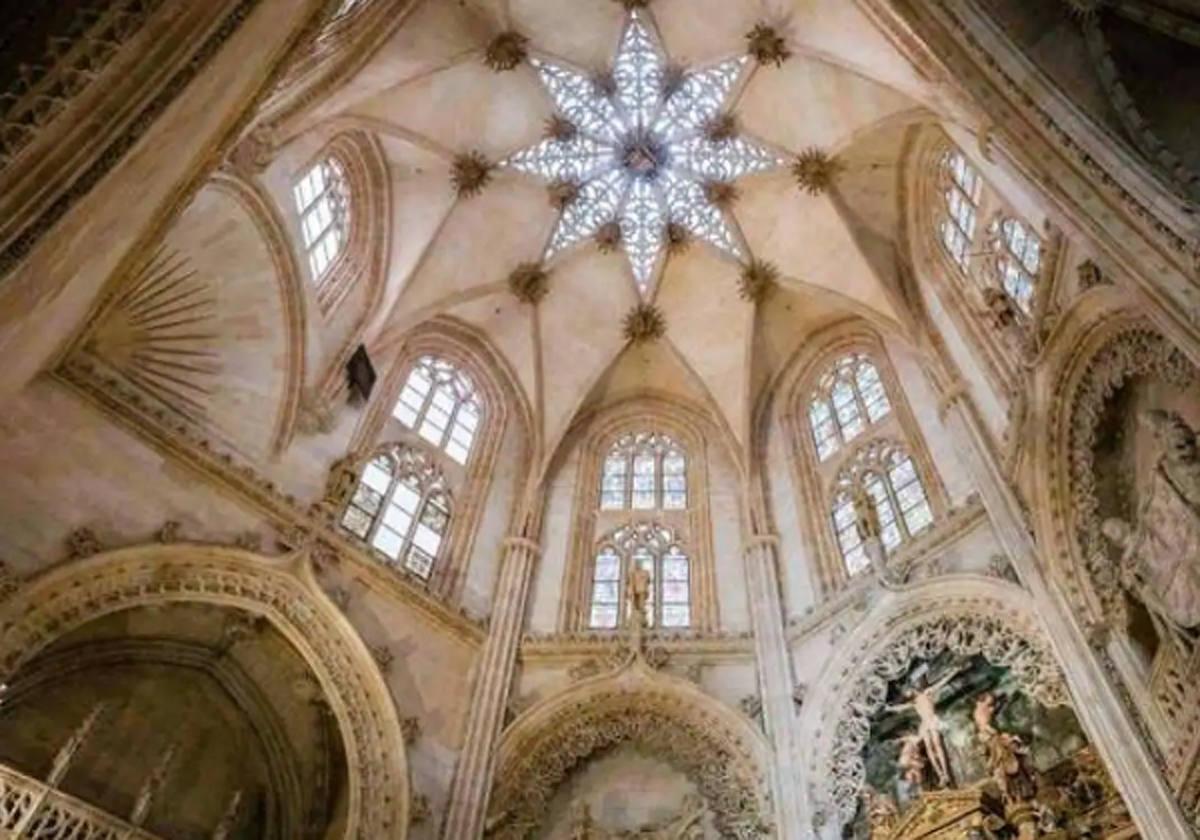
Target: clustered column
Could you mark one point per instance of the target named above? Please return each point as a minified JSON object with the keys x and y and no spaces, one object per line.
{"x":775,"y":678}
{"x":472,"y":779}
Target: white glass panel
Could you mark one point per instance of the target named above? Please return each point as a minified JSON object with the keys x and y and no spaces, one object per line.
{"x":388,"y":542}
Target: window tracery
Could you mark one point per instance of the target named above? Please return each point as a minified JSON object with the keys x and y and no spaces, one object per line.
{"x":963,"y":190}
{"x":889,"y":477}
{"x":401,"y":508}
{"x":322,"y":199}
{"x":655,"y":549}
{"x":644,"y":471}
{"x":440,"y":403}
{"x":1018,"y":260}
{"x":849,"y":398}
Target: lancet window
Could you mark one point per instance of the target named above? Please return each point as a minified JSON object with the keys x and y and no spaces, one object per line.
{"x":401,"y":508}
{"x":885,"y":472}
{"x":962,"y":191}
{"x":322,"y":198}
{"x":1018,"y":255}
{"x":644,"y":471}
{"x":848,"y":399}
{"x":655,"y":549}
{"x":440,"y":403}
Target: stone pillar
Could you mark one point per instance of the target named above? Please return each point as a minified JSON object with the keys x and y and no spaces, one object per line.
{"x":493,"y":678}
{"x":1137,"y":776}
{"x":775,"y":680}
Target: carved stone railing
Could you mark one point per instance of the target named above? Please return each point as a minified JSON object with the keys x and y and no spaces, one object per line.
{"x":1175,"y":689}
{"x":32,"y":810}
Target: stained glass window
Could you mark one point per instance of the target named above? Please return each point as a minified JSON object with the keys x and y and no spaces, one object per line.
{"x":657,"y":550}
{"x":439,"y":403}
{"x":1018,"y":260}
{"x":322,"y":199}
{"x":640,"y":151}
{"x":962,"y":190}
{"x":848,"y":399}
{"x":888,"y":475}
{"x":401,"y":509}
{"x":644,"y":471}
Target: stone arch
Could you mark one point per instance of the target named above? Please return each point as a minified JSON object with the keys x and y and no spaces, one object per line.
{"x":812,"y":480}
{"x":592,"y":432}
{"x":284,"y":592}
{"x":968,"y":614}
{"x":718,"y":749}
{"x":1104,"y":344}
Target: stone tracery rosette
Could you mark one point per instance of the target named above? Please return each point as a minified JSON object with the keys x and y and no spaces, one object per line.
{"x":675,"y":721}
{"x":968,"y":629}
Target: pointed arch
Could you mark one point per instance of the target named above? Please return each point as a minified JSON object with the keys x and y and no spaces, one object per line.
{"x":281,"y":590}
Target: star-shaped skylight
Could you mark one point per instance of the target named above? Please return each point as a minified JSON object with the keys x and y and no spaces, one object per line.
{"x":640,"y":150}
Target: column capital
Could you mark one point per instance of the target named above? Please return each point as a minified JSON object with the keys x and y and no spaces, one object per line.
{"x":759,"y":541}
{"x":525,"y":543}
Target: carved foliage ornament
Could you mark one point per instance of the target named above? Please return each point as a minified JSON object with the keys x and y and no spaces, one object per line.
{"x":1136,"y":352}
{"x":968,"y":633}
{"x":713,"y":758}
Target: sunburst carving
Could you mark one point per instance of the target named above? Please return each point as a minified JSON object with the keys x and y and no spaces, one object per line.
{"x":159,"y":335}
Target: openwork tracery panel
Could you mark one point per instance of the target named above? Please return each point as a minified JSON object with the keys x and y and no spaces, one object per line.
{"x":635,"y":146}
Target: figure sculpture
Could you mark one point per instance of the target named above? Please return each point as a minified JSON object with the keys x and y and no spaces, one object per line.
{"x":1008,"y":760}
{"x":911,"y":760}
{"x":638,"y":594}
{"x":923,"y":701}
{"x":1159,"y":550}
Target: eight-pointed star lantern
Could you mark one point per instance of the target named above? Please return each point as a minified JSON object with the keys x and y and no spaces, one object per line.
{"x":640,"y":154}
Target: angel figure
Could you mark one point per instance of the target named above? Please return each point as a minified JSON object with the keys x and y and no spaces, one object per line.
{"x":923,"y":702}
{"x":911,"y":760}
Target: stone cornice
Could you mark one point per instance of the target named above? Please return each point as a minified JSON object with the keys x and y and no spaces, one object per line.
{"x":568,"y":648}
{"x":245,"y":485}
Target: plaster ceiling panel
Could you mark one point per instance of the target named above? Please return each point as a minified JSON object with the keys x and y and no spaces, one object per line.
{"x":482,"y":240}
{"x":806,"y":238}
{"x":782,"y":324}
{"x":422,"y":196}
{"x":711,"y":326}
{"x":703,"y":31}
{"x":838,"y":29}
{"x":653,"y":367}
{"x":467,"y":106}
{"x":807,"y":102}
{"x":581,"y":332}
{"x":584,"y":34}
{"x":508,"y":324}
{"x":436,"y":35}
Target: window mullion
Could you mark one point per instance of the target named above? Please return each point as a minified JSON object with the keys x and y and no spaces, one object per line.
{"x":377,"y":523}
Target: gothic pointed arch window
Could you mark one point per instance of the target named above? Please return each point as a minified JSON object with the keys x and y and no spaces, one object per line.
{"x":962,"y":192}
{"x":440,"y":403}
{"x":886,"y":473}
{"x":849,"y":398}
{"x":322,"y":200}
{"x":401,"y":508}
{"x":644,"y":471}
{"x":1018,"y":260}
{"x":659,"y":552}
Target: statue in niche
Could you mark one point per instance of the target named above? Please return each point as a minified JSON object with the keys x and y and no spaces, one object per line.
{"x":923,"y":701}
{"x":1158,"y":552}
{"x":638,"y":595}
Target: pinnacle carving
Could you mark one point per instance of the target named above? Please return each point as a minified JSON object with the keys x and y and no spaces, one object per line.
{"x":506,"y":51}
{"x":470,"y":173}
{"x":767,"y":45}
{"x":645,"y":322}
{"x":816,"y":171}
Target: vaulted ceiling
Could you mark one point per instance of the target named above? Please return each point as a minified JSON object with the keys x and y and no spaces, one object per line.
{"x":429,"y":96}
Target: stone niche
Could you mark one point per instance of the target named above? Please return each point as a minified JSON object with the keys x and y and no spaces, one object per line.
{"x":626,"y":793}
{"x":206,"y":720}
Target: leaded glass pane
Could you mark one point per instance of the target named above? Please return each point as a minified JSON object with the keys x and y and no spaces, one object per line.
{"x":357,"y":522}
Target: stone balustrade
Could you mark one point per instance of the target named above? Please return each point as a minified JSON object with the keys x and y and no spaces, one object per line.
{"x":34,"y":810}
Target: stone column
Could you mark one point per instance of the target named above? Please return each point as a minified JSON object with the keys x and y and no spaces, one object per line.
{"x":775,"y":680}
{"x":1137,"y":776}
{"x":493,"y":678}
